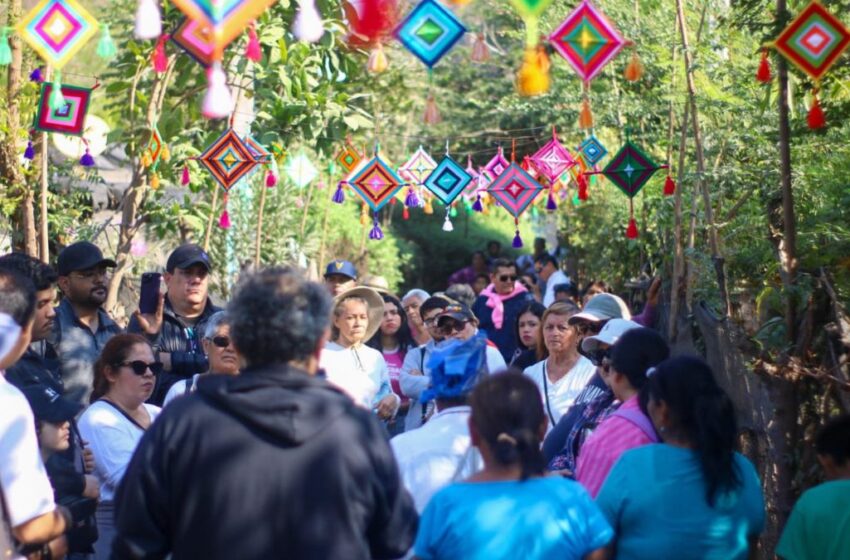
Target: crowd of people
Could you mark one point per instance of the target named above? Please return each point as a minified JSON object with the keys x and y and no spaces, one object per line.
{"x":511,"y":415}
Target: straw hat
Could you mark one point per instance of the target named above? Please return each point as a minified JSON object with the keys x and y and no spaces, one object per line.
{"x":374,"y":304}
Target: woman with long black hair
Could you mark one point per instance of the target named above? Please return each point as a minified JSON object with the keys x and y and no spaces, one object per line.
{"x":692,"y":496}
{"x":509,"y":509}
{"x":528,"y":332}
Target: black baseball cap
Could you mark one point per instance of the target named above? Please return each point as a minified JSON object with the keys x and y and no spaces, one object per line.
{"x":458,"y":312}
{"x":81,"y":255}
{"x":50,"y":406}
{"x":185,"y":256}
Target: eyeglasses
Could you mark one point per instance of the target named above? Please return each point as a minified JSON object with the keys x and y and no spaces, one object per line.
{"x":508,"y":278}
{"x":450,"y":328}
{"x":221,"y":341}
{"x":597,"y":357}
{"x":140,"y":368}
{"x":586,"y":328}
{"x":432,"y":321}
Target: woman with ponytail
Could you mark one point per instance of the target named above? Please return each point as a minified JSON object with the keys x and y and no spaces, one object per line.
{"x":509,"y":509}
{"x":692,"y":496}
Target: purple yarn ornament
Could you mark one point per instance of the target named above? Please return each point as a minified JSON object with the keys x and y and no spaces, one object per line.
{"x":550,"y":203}
{"x":376,"y":233}
{"x":87,"y":160}
{"x":477,"y":206}
{"x":29,"y":153}
{"x":339,"y":194}
{"x":517,"y":242}
{"x":35,"y":75}
{"x":411,"y":201}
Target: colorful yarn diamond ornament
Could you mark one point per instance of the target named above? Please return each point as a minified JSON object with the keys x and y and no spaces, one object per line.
{"x":629,"y":170}
{"x":588,"y":42}
{"x":155,"y":151}
{"x":447,"y":182}
{"x":300,"y":170}
{"x":429,"y":31}
{"x":553,"y":159}
{"x":497,"y":165}
{"x":415,"y":171}
{"x":813,"y":42}
{"x":515,"y":190}
{"x":69,"y":118}
{"x":376,"y":183}
{"x":263,"y":157}
{"x":228,"y":159}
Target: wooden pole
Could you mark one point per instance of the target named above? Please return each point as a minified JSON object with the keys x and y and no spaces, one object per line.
{"x":258,"y":244}
{"x":43,"y":240}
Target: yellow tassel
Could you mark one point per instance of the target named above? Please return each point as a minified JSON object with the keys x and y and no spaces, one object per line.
{"x":428,"y":208}
{"x":146,"y":159}
{"x":585,"y":116}
{"x":533,"y":76}
{"x":432,"y":112}
{"x":154,"y":181}
{"x":166,"y":153}
{"x":480,"y":50}
{"x":634,"y":70}
{"x":377,"y":60}
{"x":364,"y":216}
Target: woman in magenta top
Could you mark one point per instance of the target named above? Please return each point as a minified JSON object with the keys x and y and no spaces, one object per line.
{"x":623,"y":368}
{"x":393,"y":340}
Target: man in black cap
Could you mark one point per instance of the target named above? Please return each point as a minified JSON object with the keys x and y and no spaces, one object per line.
{"x":177,"y":327}
{"x":82,"y":327}
{"x":340,"y":276}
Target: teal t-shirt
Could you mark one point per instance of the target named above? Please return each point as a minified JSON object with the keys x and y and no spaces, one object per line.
{"x":819,"y":526}
{"x":654,"y":498}
{"x":539,"y":518}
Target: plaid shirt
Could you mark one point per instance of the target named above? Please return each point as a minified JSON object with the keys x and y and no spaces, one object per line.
{"x":591,"y":416}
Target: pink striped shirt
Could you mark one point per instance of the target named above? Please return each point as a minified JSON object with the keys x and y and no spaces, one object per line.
{"x":613,"y":437}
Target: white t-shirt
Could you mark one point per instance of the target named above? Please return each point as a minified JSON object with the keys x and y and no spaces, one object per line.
{"x":494,"y":359}
{"x":179,"y":389}
{"x":558,"y":277}
{"x":112,"y":438}
{"x":436,"y":454}
{"x":22,"y":476}
{"x":361,"y":372}
{"x":559,"y":396}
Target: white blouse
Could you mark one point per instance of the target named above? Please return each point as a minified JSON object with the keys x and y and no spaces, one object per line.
{"x":560,"y":395}
{"x":112,"y":438}
{"x":361,"y":372}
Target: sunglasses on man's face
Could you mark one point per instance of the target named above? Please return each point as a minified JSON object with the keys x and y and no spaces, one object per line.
{"x":449,"y":329}
{"x":221,"y":341}
{"x":507,"y":278}
{"x":140,"y":367}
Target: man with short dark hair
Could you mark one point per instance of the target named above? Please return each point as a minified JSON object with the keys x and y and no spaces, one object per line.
{"x":340,"y":276}
{"x":498,"y":305}
{"x":176,"y":329}
{"x":82,"y":326}
{"x":279,"y":462}
{"x":547,"y":270}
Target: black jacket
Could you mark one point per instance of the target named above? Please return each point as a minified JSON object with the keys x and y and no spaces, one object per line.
{"x":33,"y":369}
{"x":182,"y":342}
{"x":505,"y":338}
{"x":269,"y":464}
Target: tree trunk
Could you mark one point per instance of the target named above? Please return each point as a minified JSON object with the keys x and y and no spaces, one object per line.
{"x":10,"y":169}
{"x":716,"y":257}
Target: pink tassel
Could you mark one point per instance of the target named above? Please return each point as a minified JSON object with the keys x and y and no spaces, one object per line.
{"x":218,"y":103}
{"x":184,"y":179}
{"x":405,"y":214}
{"x":271,"y":179}
{"x":224,"y":220}
{"x":160,"y":61}
{"x":253,"y":51}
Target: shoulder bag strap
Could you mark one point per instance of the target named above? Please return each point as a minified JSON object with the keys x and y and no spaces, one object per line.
{"x":124,"y":414}
{"x":640,"y":420}
{"x":546,"y":395}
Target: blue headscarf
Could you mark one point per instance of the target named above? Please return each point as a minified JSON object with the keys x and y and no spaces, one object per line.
{"x":455,"y":368}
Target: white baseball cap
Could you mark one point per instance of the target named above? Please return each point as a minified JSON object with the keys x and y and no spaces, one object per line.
{"x":610,"y":334}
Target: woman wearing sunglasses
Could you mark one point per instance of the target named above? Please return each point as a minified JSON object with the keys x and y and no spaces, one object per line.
{"x":222,"y":355}
{"x":124,"y":378}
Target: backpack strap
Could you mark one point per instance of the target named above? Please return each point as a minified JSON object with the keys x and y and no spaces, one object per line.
{"x":640,"y":420}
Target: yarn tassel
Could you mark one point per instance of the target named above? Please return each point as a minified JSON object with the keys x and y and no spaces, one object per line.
{"x":582,"y":187}
{"x":428,"y":209}
{"x":184,"y":179}
{"x":218,"y":103}
{"x":405,"y":214}
{"x":480,"y":50}
{"x":224,"y":219}
{"x":376,"y":233}
{"x":5,"y":48}
{"x":339,"y":195}
{"x":634,"y":69}
{"x":377,"y":60}
{"x":632,"y":230}
{"x":477,"y":206}
{"x":271,"y":179}
{"x":308,"y":24}
{"x":816,"y":118}
{"x":447,"y":223}
{"x":155,"y":181}
{"x":148,"y":20}
{"x":585,"y":116}
{"x":87,"y":160}
{"x":56,"y":100}
{"x":253,"y":51}
{"x":669,"y":186}
{"x":533,"y":75}
{"x":551,"y":205}
{"x":411,"y":200}
{"x":29,"y":153}
{"x":517,"y":242}
{"x":35,"y":75}
{"x":432,"y":112}
{"x":106,"y":46}
{"x":364,"y":215}
{"x":158,"y":59}
{"x":763,"y":74}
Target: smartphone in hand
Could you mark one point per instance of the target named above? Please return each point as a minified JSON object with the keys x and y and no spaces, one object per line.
{"x":149,"y":298}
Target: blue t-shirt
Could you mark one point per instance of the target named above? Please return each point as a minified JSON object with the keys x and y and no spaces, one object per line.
{"x":654,"y":497}
{"x":539,"y":518}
